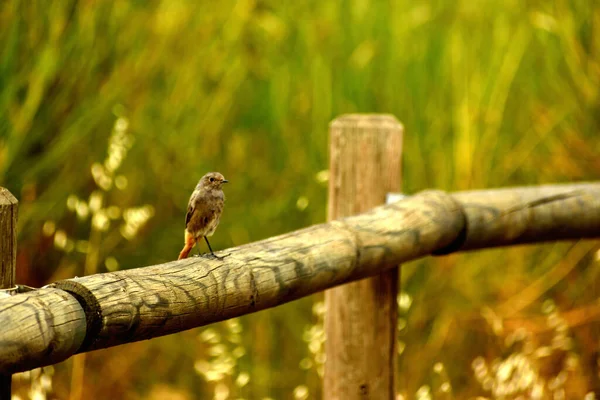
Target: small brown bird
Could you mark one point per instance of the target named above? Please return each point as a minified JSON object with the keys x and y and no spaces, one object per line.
{"x":203,"y":212}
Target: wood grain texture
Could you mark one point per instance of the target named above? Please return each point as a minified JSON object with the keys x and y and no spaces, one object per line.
{"x":8,"y":256}
{"x":361,"y":317}
{"x":8,"y":238}
{"x":501,"y":217}
{"x":39,"y":328}
{"x":143,"y":303}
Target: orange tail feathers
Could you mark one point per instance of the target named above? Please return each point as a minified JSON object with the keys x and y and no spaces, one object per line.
{"x":189,"y":244}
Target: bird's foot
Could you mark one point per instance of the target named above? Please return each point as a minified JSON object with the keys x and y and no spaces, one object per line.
{"x":213,"y":255}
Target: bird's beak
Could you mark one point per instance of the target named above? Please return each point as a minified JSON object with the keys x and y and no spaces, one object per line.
{"x":225,"y":181}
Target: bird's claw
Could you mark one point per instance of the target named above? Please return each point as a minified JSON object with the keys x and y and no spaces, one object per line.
{"x":213,"y":255}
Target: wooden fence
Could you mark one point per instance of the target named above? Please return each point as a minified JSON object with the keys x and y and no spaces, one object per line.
{"x":48,"y":325}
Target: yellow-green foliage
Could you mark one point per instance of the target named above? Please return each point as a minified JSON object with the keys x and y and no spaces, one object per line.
{"x":491,"y":93}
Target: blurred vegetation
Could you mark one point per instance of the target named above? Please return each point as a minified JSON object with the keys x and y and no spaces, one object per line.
{"x":111,"y":111}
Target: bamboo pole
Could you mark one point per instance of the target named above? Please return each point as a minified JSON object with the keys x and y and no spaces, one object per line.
{"x":102,"y":310}
{"x":8,"y":257}
{"x":361,"y":317}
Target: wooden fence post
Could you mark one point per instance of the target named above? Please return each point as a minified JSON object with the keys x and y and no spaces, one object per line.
{"x":8,"y":257}
{"x":361,"y":317}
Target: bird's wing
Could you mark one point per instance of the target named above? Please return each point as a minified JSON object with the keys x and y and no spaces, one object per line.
{"x":191,"y":207}
{"x":188,"y":216}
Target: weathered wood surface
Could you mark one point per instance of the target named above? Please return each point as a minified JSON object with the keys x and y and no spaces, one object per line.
{"x":49,"y":327}
{"x":138,"y":304}
{"x":502,"y":217}
{"x":8,"y":238}
{"x":361,"y":317}
{"x":8,"y":256}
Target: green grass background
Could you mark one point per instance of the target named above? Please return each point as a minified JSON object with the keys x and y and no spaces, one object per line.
{"x":491,"y":93}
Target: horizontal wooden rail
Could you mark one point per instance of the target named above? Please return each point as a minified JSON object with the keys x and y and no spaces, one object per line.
{"x":77,"y":315}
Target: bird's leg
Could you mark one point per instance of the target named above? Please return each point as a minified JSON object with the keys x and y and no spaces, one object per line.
{"x":211,"y":251}
{"x":198,"y":246}
{"x":210,"y":248}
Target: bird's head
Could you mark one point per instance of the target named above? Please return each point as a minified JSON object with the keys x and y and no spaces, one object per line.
{"x":212,"y":180}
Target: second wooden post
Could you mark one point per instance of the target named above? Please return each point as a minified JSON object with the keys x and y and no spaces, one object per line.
{"x":361,"y":317}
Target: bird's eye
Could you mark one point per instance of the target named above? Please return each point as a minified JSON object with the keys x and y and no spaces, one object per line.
{"x":212,"y":179}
